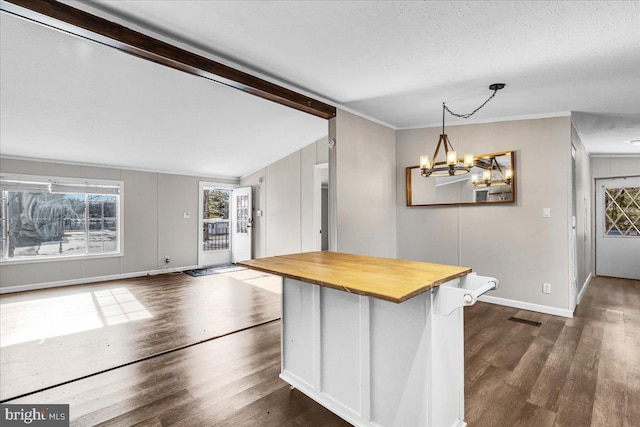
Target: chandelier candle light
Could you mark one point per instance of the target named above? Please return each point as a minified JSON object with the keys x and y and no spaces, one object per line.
{"x":504,"y":176}
{"x":452,"y":164}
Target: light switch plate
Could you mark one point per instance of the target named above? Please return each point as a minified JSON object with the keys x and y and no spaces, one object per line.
{"x":546,"y":212}
{"x":186,"y":215}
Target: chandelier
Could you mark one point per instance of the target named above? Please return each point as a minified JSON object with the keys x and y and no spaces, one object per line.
{"x":451,"y":165}
{"x":492,"y":174}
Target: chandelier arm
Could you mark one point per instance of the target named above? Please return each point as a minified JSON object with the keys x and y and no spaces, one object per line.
{"x":466,"y":116}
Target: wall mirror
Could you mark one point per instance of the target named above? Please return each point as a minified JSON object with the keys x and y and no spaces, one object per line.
{"x":490,"y":180}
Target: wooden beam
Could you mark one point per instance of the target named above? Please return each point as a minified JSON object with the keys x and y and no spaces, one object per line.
{"x":77,"y":22}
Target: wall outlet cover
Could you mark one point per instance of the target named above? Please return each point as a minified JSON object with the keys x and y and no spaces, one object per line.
{"x":546,"y":288}
{"x":186,"y":215}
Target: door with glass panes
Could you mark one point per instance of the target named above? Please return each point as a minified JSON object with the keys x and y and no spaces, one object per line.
{"x":214,"y":234}
{"x":618,"y":227}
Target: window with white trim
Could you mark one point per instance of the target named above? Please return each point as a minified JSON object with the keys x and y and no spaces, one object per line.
{"x":49,"y":218}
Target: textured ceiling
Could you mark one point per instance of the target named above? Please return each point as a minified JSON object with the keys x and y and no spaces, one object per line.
{"x":394,"y":62}
{"x":397,"y":61}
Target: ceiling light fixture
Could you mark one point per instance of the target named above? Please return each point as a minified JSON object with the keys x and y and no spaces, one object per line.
{"x":633,"y":142}
{"x":452,"y":164}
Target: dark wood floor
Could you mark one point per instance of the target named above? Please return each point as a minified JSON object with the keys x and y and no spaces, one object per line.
{"x":55,"y":335}
{"x":583,"y":371}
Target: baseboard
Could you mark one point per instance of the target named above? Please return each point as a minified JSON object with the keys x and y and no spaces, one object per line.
{"x":585,"y":285}
{"x":527,"y":306}
{"x":85,"y":280}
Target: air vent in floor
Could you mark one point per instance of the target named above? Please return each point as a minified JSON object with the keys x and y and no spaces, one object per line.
{"x":525,"y":321}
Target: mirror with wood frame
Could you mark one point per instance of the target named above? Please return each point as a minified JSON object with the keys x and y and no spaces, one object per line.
{"x":490,"y":180}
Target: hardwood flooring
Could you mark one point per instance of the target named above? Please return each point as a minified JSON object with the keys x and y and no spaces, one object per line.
{"x":575,"y":372}
{"x":583,"y":371}
{"x":51,"y":336}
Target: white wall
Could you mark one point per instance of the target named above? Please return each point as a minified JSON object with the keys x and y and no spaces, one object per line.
{"x":364,"y":163}
{"x":285,"y":196}
{"x":608,"y":167}
{"x":512,"y":242}
{"x":153,"y":225}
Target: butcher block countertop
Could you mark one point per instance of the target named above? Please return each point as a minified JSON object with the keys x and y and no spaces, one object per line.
{"x":384,"y":278}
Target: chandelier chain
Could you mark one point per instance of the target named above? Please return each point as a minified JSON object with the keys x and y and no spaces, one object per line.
{"x":466,"y":116}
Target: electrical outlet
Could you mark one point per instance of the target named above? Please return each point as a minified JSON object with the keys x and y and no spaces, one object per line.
{"x":167,"y":260}
{"x":546,"y":288}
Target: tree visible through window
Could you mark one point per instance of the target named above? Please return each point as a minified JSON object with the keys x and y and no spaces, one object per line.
{"x":39,"y":219}
{"x":215,"y":219}
{"x":622,"y":212}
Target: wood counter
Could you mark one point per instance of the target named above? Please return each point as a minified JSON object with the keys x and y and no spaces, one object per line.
{"x":383,"y":278}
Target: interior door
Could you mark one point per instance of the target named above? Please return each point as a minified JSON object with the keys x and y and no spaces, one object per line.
{"x":618,"y":227}
{"x":241,"y":224}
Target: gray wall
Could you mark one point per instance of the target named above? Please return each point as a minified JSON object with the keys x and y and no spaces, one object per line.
{"x":153,"y":225}
{"x":512,"y":242}
{"x":285,"y":196}
{"x":365,"y":186}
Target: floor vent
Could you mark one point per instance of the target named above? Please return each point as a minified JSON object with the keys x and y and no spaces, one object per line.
{"x":525,"y":321}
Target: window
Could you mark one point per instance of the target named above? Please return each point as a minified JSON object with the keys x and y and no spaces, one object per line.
{"x":58,"y":217}
{"x":622,"y":212}
{"x":215,"y":226}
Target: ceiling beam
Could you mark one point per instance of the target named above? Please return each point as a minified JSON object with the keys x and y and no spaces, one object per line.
{"x":77,"y":22}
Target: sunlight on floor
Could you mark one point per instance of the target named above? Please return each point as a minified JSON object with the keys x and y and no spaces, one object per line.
{"x":37,"y":320}
{"x":262,"y":280}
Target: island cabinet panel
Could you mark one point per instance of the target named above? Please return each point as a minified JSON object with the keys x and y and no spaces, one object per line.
{"x":297,"y":337}
{"x":341,"y":356}
{"x":399,"y":352}
{"x":371,"y":361}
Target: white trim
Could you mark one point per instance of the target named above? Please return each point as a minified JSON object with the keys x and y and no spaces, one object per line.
{"x":73,"y":180}
{"x":85,"y":280}
{"x":116,"y":167}
{"x":492,"y":120}
{"x":223,"y":186}
{"x":527,"y":306}
{"x":614,"y":155}
{"x":58,"y":258}
{"x":364,"y":116}
{"x":585,"y":285}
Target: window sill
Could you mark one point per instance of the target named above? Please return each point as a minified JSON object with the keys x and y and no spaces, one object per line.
{"x":16,"y":261}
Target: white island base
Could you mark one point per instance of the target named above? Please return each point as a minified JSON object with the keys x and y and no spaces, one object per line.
{"x":374,"y":362}
{"x":377,"y":341}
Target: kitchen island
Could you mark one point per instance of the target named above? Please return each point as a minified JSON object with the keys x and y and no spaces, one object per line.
{"x":377,"y":341}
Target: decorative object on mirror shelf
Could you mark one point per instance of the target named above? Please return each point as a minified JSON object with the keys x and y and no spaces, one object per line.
{"x":492,"y":179}
{"x":452,"y":165}
{"x":493,"y":174}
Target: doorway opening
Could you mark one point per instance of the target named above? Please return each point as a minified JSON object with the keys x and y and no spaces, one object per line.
{"x":214,"y":234}
{"x":321,"y":206}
